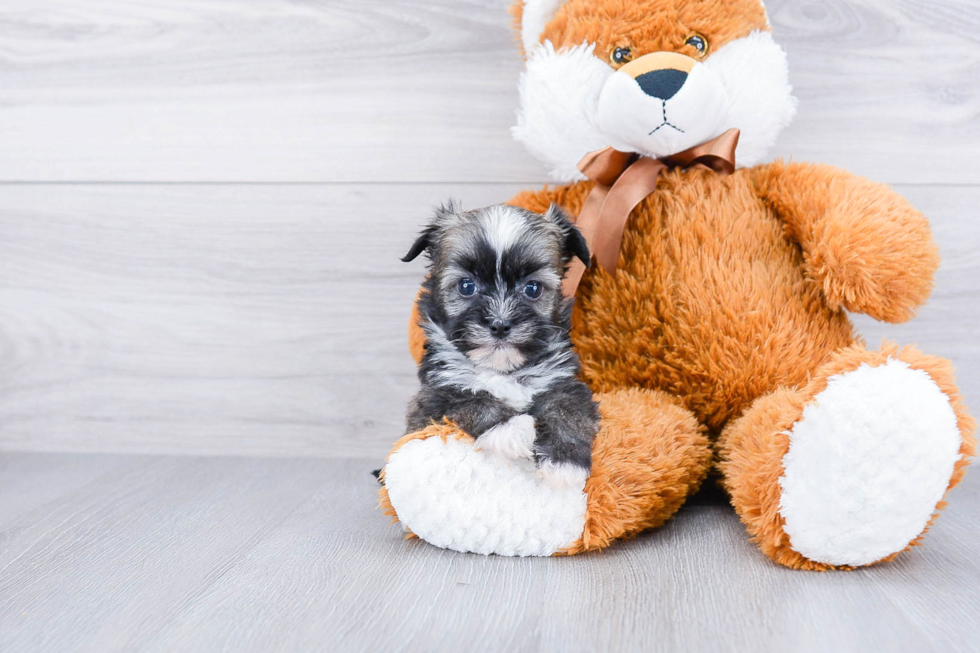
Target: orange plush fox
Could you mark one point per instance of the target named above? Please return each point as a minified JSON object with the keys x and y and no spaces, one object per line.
{"x":715,"y":333}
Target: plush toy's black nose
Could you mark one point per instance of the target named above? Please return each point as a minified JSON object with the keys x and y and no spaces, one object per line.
{"x":500,"y":328}
{"x":662,"y":84}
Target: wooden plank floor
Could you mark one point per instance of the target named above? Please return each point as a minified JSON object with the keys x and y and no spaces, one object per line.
{"x":170,"y":554}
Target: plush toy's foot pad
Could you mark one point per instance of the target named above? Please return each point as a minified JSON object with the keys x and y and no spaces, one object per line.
{"x":457,"y":497}
{"x":867,"y":464}
{"x":865,"y":461}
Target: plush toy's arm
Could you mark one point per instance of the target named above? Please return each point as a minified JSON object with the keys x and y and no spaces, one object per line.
{"x":569,"y":198}
{"x":867,"y":247}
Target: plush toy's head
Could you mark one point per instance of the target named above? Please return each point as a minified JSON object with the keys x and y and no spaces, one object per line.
{"x":654,"y":77}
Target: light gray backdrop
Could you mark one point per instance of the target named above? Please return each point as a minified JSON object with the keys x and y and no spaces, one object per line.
{"x":203,"y":202}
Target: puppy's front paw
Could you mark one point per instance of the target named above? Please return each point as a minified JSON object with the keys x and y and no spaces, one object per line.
{"x":563,"y":475}
{"x":511,"y":439}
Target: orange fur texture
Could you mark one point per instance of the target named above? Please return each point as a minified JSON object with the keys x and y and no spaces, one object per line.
{"x":727,"y":311}
{"x":869,"y":251}
{"x":649,"y":456}
{"x":710,"y":302}
{"x":416,"y":336}
{"x":650,"y":27}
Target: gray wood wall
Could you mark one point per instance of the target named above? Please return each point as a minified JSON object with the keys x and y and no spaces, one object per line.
{"x":202,"y":202}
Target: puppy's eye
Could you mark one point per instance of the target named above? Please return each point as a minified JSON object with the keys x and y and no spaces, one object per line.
{"x":699,"y":43}
{"x":619,"y":56}
{"x":533,"y":289}
{"x":467,"y":287}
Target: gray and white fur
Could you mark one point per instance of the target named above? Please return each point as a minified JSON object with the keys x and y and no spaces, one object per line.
{"x":499,"y":361}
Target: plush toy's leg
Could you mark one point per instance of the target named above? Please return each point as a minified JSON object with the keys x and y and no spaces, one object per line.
{"x":649,"y":455}
{"x":851,"y":468}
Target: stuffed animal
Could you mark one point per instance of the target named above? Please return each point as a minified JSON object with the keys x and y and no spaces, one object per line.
{"x":713,"y":325}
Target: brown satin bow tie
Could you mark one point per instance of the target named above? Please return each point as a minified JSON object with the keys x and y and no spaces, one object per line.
{"x":622,"y":180}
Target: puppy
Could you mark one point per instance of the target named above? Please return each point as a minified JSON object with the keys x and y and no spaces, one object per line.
{"x":499,"y":362}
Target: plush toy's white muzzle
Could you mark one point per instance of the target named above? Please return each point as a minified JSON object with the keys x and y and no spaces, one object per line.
{"x":573,"y":102}
{"x":661,"y":104}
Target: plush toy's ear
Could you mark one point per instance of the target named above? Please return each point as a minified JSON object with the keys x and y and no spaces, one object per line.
{"x":573,"y":243}
{"x":533,"y":16}
{"x":429,"y":237}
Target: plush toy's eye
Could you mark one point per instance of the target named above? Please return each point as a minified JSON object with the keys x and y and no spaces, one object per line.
{"x":699,"y":43}
{"x":619,"y":56}
{"x":532,"y":289}
{"x":467,"y":287}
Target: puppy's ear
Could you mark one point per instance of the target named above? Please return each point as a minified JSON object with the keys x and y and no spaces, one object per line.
{"x":430,"y":235}
{"x":573,"y":242}
{"x":422,"y":243}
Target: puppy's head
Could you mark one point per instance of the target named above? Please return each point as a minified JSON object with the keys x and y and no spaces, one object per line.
{"x":495,"y":280}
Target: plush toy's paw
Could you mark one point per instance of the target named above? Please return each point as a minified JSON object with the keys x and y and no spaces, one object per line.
{"x":866,"y":455}
{"x":456,"y":497}
{"x":511,"y":439}
{"x":867,"y":464}
{"x":562,"y":475}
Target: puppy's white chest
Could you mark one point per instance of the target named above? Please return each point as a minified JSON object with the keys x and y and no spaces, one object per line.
{"x":505,"y":388}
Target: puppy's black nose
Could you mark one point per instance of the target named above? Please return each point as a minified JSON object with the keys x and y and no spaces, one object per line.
{"x":662,"y":84}
{"x":500,"y":328}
